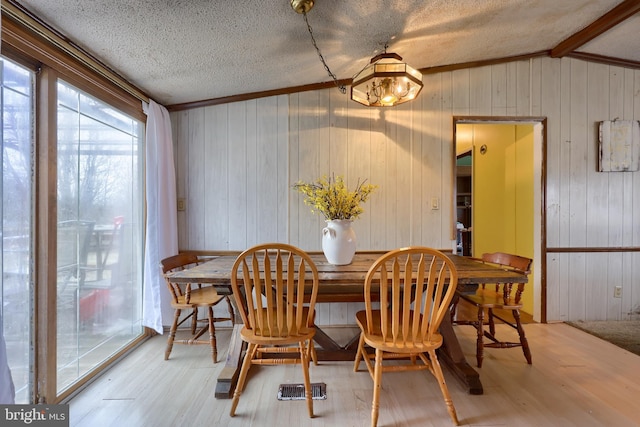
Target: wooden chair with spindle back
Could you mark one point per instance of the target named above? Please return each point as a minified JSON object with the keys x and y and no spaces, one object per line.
{"x":488,"y":300}
{"x":192,"y":297}
{"x":268,"y":283}
{"x":416,"y":288}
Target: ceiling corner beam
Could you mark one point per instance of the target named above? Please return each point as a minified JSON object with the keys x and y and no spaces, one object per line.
{"x":607,"y":60}
{"x":607,"y":21}
{"x":256,"y":95}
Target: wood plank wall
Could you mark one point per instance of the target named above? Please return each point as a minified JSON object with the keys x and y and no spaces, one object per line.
{"x":236,"y":164}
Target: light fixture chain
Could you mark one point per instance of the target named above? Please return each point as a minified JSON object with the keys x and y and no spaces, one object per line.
{"x":342,"y":88}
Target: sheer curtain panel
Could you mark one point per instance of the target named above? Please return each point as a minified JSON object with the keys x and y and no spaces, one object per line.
{"x":162,"y":227}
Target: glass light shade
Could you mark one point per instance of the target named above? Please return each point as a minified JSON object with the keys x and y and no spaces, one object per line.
{"x":385,"y":82}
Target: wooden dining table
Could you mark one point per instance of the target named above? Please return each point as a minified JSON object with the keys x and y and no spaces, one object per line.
{"x":344,"y":283}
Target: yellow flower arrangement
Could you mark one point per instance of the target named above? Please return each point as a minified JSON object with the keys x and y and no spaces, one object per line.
{"x":332,"y":198}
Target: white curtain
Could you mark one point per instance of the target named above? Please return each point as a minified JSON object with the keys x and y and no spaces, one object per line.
{"x":162,"y":224}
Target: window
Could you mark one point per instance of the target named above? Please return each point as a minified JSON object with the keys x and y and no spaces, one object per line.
{"x":72,"y":212}
{"x":99,"y":203}
{"x":98,"y":234}
{"x":17,"y":231}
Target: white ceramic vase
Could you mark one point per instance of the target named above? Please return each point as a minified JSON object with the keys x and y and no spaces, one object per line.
{"x":339,"y":241}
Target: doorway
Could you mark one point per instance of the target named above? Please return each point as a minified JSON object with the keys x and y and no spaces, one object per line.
{"x":499,"y":195}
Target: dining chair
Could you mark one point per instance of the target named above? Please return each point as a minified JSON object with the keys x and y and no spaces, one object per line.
{"x":192,"y":297}
{"x":488,"y":300}
{"x":268,"y":283}
{"x":414,"y":287}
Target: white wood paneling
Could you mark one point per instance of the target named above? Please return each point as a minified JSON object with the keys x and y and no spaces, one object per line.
{"x":234,"y":178}
{"x":595,"y":209}
{"x":563,"y":147}
{"x":578,"y":155}
{"x":232,"y":169}
{"x":195,"y":185}
{"x":215,"y":158}
{"x":237,"y":164}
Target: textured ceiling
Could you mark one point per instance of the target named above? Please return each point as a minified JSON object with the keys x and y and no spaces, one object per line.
{"x":179,"y":51}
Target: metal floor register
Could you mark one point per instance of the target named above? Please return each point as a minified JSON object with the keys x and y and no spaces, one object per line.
{"x":296,"y":391}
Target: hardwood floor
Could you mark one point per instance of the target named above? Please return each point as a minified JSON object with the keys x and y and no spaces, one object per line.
{"x":576,"y":380}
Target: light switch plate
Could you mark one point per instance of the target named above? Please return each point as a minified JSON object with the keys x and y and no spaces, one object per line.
{"x":617,"y":292}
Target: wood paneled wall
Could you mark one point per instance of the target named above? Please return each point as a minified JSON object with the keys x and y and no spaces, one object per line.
{"x":232,"y":172}
{"x":236,"y":164}
{"x":586,"y":208}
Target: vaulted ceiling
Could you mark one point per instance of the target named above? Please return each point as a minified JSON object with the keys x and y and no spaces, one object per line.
{"x":185,"y":51}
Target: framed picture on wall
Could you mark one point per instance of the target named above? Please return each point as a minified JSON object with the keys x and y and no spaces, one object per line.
{"x":619,"y":146}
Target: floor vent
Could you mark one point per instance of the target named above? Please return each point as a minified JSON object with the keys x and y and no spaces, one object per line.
{"x":296,"y":391}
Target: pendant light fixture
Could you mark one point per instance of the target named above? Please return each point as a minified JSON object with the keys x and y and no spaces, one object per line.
{"x":386,"y":81}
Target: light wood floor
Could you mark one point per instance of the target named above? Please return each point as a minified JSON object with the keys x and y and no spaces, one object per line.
{"x":576,"y":380}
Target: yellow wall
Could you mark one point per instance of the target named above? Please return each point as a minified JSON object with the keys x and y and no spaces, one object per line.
{"x":503,"y":193}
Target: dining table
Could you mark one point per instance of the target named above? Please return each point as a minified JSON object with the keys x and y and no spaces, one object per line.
{"x":345,"y":283}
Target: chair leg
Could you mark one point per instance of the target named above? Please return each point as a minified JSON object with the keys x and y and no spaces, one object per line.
{"x":377,"y":385}
{"x":480,"y":340}
{"x":212,"y":335}
{"x":304,"y":356}
{"x":356,"y":363}
{"x":492,"y":323}
{"x":172,"y":334}
{"x":437,"y":372}
{"x":523,"y":338}
{"x":194,"y":321}
{"x":246,"y":364}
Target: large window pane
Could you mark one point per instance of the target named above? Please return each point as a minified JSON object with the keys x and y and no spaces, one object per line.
{"x":99,"y":232}
{"x":17,"y":190}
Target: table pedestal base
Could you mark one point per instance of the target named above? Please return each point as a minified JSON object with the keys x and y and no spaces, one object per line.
{"x":450,"y":355}
{"x":228,"y":378}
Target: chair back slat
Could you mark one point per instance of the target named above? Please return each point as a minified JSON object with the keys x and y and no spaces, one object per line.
{"x":396,"y":292}
{"x":266,"y":289}
{"x":299,"y":294}
{"x":407,"y":298}
{"x":419,"y":295}
{"x":273,"y":285}
{"x":384,"y":302}
{"x":281,"y":279}
{"x":245,"y":305}
{"x":416,"y":285}
{"x":443,"y":291}
{"x":432,"y":278}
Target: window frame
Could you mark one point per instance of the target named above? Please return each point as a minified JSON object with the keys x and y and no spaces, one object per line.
{"x":35,"y":49}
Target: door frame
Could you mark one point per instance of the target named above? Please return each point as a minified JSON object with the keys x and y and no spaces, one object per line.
{"x":540,"y":202}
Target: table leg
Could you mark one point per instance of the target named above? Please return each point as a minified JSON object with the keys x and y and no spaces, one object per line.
{"x":451,"y":354}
